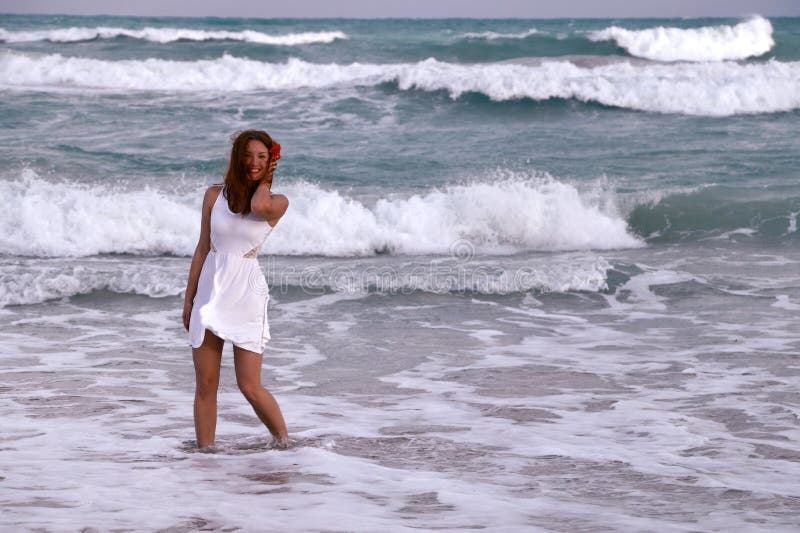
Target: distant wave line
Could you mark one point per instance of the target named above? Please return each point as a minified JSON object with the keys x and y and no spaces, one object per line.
{"x":168,"y":35}
{"x":710,"y":88}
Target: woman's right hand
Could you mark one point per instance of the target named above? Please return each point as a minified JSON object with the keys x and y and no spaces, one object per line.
{"x":187,"y":314}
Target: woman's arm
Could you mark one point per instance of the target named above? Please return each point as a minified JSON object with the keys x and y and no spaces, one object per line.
{"x":268,"y":206}
{"x":200,"y":252}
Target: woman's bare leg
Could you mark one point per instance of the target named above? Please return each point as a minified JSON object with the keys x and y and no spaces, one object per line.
{"x":248,"y":377}
{"x":207,"y":360}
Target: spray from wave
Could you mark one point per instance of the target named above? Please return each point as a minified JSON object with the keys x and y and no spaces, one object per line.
{"x":750,"y":38}
{"x":711,"y":89}
{"x":65,"y":219}
{"x":505,"y":216}
{"x":168,"y":35}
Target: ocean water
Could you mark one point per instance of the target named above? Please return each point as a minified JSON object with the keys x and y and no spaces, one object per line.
{"x":536,"y":275}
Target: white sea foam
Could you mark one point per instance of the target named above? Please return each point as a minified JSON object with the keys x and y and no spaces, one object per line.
{"x":503,"y":216}
{"x":51,"y":219}
{"x":511,"y":215}
{"x":31,"y":284}
{"x":782,"y":301}
{"x":168,"y":35}
{"x":492,"y":36}
{"x":792,"y":228}
{"x":37,"y":280}
{"x":750,"y":38}
{"x":575,"y":271}
{"x":715,"y":89}
{"x":638,"y":289}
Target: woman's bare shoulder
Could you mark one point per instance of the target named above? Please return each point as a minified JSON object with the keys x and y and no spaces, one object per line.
{"x":211,"y":195}
{"x":213,"y":191}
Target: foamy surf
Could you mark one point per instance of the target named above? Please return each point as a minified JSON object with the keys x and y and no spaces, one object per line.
{"x":37,"y":280}
{"x":168,"y":35}
{"x":710,"y":89}
{"x":507,"y":216}
{"x":750,"y":38}
{"x":52,"y":219}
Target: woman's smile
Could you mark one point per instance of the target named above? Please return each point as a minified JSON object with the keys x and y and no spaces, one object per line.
{"x":256,"y":172}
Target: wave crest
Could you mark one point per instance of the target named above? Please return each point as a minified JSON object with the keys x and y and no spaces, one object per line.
{"x":506,"y":216}
{"x":168,"y":35}
{"x":750,"y":38}
{"x":63,"y":219}
{"x":711,"y":89}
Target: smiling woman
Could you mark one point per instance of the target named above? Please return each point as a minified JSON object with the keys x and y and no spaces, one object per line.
{"x":227,"y":295}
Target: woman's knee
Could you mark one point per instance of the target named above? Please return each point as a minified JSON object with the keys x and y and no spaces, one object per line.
{"x":207,"y":385}
{"x":249,"y":388}
{"x":207,"y":362}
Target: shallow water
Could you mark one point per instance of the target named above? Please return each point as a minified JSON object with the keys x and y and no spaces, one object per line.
{"x":667,"y":408}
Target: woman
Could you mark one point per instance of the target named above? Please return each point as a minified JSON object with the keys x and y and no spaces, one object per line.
{"x":227,"y":295}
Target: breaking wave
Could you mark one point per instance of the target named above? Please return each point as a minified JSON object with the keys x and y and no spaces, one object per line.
{"x":506,"y":216}
{"x":712,"y":89}
{"x":750,"y":38}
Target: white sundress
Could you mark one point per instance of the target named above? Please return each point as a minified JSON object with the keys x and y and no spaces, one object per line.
{"x":232,"y":294}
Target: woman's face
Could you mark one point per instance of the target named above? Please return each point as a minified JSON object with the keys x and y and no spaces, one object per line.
{"x":256,"y":159}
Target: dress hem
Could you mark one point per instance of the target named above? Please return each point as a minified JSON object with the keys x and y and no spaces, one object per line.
{"x":228,"y":339}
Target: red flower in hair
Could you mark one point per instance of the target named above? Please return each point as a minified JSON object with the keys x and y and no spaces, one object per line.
{"x":275,"y":151}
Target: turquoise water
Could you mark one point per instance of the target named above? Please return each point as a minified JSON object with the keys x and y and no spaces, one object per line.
{"x":546,"y":268}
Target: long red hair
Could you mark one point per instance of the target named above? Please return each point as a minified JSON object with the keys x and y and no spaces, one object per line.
{"x":239,"y":188}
